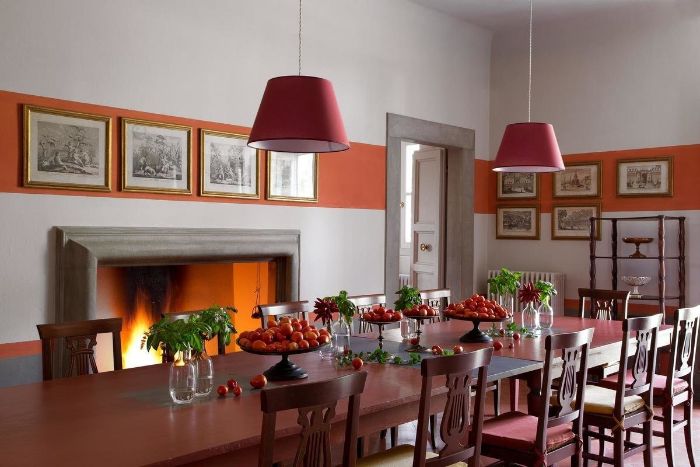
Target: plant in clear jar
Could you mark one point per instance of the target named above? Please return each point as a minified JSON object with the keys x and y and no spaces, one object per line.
{"x":324,"y":308}
{"x":218,"y":323}
{"x":408,"y":298}
{"x":529,"y":296}
{"x":340,"y":331}
{"x":505,"y":286}
{"x":545,"y":312}
{"x":178,"y":339}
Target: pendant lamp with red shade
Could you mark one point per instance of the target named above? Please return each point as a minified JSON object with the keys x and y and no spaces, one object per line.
{"x":299,"y":114}
{"x":529,"y":146}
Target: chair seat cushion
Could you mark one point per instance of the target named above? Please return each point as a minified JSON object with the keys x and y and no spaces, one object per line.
{"x":518,"y":431}
{"x":601,"y":400}
{"x":400,"y":456}
{"x":679,"y":385}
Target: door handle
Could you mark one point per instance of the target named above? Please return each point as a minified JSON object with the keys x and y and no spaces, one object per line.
{"x":425,"y":247}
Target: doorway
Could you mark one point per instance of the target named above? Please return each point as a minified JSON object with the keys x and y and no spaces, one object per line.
{"x":449,"y":157}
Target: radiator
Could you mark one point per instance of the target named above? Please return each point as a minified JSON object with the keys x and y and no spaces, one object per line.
{"x":557,"y":279}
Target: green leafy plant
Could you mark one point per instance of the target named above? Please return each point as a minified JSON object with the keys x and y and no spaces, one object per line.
{"x":378,"y":356}
{"x":173,"y":336}
{"x":505,"y":282}
{"x":345,"y":307}
{"x":546,"y":291}
{"x":408,"y":297}
{"x":218,"y":320}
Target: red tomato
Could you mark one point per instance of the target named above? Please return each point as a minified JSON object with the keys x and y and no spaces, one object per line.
{"x":232,"y":383}
{"x":292,"y":346}
{"x":303,"y":344}
{"x":308,"y":335}
{"x":259,"y":346}
{"x":323,"y":331}
{"x":415,"y":340}
{"x":325,"y":339}
{"x":313,"y":343}
{"x":357,"y":363}
{"x":222,"y":391}
{"x":245,"y":343}
{"x":258,"y":381}
{"x":254,"y":336}
{"x":243,"y":335}
{"x":516,"y":336}
{"x":458,"y":349}
{"x":437,"y":350}
{"x":304,"y":323}
{"x":267,"y":337}
{"x":398,"y":316}
{"x":497,"y":345}
{"x":296,"y":327}
{"x":286,"y":329}
{"x":297,"y":336}
{"x":237,"y":391}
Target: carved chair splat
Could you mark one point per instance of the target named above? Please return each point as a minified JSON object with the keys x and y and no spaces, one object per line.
{"x":80,"y":339}
{"x":603,"y":304}
{"x":315,"y":403}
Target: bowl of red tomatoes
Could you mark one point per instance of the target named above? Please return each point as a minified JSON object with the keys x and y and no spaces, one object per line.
{"x":477,"y":309}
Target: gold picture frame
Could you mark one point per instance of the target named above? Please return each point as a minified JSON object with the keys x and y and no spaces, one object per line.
{"x":518,"y":189}
{"x":148,"y":174}
{"x":281,"y":189}
{"x":566,"y":184}
{"x":66,"y":150}
{"x":224,"y":186}
{"x":531,"y":233}
{"x":559,"y":226}
{"x":648,"y":182}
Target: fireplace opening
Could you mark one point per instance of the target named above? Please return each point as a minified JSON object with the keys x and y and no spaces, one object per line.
{"x":140,"y":295}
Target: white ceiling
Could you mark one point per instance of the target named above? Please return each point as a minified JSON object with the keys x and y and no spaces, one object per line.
{"x":500,"y":15}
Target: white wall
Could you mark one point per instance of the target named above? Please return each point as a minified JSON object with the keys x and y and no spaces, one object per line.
{"x":606,"y":83}
{"x":210,"y":61}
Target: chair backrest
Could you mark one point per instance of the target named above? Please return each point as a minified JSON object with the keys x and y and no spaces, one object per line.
{"x":646,"y":330}
{"x":684,"y":346}
{"x":365,"y":303}
{"x":80,"y":339}
{"x":316,"y":404}
{"x":437,"y":299}
{"x":566,"y":407}
{"x":297,"y":309}
{"x":604,"y":304}
{"x":455,"y":427}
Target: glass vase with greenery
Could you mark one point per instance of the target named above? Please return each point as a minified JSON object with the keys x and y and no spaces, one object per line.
{"x":408,"y":298}
{"x":545,"y":311}
{"x":341,"y":329}
{"x":218,"y":323}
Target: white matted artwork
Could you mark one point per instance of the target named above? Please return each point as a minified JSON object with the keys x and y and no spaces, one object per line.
{"x":518,"y":222}
{"x":574,"y":222}
{"x":578,"y":180}
{"x":292,"y":176}
{"x":65,"y":149}
{"x":645,"y":177}
{"x":156,"y":157}
{"x":517,"y":185}
{"x":229,"y":168}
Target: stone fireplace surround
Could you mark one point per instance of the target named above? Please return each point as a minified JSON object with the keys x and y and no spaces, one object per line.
{"x":81,"y":250}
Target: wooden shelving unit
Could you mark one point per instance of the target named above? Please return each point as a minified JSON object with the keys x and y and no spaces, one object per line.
{"x":661,"y":257}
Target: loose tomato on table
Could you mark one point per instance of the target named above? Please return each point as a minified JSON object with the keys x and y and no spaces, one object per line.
{"x":258,"y":381}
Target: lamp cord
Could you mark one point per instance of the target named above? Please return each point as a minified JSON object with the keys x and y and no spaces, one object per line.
{"x":529,"y":71}
{"x":299,"y":37}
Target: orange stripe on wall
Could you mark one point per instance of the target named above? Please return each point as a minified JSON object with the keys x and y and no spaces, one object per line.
{"x":686,"y":167}
{"x":484,"y":186}
{"x":352,"y":179}
{"x":20,"y":349}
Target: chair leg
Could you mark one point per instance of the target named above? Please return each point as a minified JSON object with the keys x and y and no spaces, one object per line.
{"x":601,"y":446}
{"x":514,"y":393}
{"x":394,"y":436}
{"x":668,"y":433}
{"x":382,"y":434}
{"x":688,"y":430}
{"x":432,"y":422}
{"x":360,"y":447}
{"x":586,"y":440}
{"x":497,"y":399}
{"x":619,"y":447}
{"x":649,"y":443}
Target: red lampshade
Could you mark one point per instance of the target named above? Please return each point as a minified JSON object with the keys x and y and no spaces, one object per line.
{"x":299,"y":114}
{"x":529,"y":147}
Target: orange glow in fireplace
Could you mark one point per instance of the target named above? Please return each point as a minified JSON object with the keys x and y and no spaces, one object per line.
{"x":132,"y":334}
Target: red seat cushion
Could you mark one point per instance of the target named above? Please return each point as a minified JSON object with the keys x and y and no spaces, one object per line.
{"x":518,"y":431}
{"x":679,"y":385}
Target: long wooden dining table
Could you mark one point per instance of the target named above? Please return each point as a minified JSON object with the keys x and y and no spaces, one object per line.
{"x":126,"y":417}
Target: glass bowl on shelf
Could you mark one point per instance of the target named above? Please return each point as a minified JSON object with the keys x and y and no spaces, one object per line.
{"x":635,"y":282}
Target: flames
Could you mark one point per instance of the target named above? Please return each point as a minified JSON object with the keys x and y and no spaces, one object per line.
{"x":135,"y":325}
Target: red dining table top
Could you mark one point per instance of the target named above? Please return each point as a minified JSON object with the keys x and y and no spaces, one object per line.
{"x":127,"y":417}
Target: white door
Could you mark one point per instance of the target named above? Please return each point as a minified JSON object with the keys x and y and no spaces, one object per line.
{"x":428,"y":218}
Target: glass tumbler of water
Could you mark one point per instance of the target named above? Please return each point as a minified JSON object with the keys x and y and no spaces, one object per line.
{"x":407,"y":329}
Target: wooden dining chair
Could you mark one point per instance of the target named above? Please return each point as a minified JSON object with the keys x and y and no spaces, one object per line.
{"x":296,"y":309}
{"x":674,"y":388}
{"x":603,"y":304}
{"x":630,"y":404}
{"x":459,"y":431}
{"x":555,"y":433}
{"x":437,"y":299}
{"x":365,"y":303}
{"x":80,"y":338}
{"x":316,"y":404}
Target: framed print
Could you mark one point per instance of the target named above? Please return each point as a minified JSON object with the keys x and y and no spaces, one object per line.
{"x":517,"y":185}
{"x":578,"y":180}
{"x":645,"y":177}
{"x":228,"y":167}
{"x":518,"y":222}
{"x":292,"y":176}
{"x":573,"y":222}
{"x":67,"y":150}
{"x":156,"y":157}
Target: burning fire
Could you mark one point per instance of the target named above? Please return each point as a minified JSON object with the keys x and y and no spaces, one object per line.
{"x":141,"y":319}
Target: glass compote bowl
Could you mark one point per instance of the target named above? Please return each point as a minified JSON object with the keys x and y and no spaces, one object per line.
{"x":635,"y":282}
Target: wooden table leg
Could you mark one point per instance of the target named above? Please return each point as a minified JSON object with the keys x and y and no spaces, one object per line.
{"x":534,"y":395}
{"x":514,"y":384}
